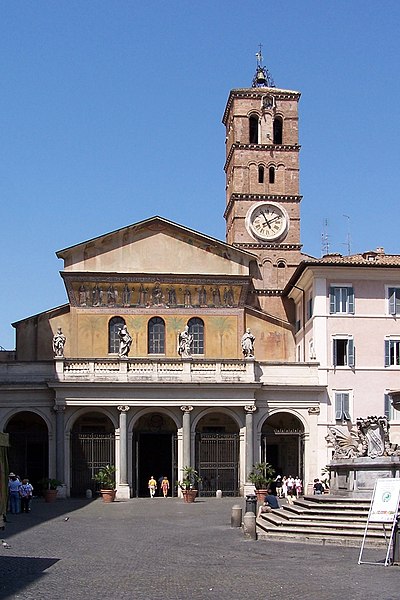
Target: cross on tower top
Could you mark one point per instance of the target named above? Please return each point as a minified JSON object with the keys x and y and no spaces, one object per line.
{"x":262,"y":77}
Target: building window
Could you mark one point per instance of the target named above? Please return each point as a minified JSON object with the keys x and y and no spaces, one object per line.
{"x":156,"y":336}
{"x":196,"y":329}
{"x":278,"y":130}
{"x":114,"y":325}
{"x":260,"y":174}
{"x":309,"y":308}
{"x":341,"y":299}
{"x":342,"y":406}
{"x":394,"y":300}
{"x":253,"y":129}
{"x":271,"y":174}
{"x":390,"y":412}
{"x":392,"y":353}
{"x":343,"y":352}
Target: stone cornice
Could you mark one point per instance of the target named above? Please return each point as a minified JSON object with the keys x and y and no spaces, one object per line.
{"x":282,"y":199}
{"x":264,"y":147}
{"x":258,"y":93}
{"x":276,"y":246}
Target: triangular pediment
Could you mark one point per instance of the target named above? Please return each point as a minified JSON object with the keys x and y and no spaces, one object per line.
{"x":156,"y":245}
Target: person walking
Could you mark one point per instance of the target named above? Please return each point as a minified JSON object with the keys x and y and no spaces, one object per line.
{"x":152,"y":485}
{"x":14,"y":486}
{"x":25,"y":492}
{"x":165,"y":486}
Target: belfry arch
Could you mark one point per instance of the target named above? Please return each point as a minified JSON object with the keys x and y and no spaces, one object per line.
{"x":282,"y":443}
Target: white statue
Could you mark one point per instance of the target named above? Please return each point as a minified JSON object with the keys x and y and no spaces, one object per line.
{"x":185,"y":340}
{"x":248,"y":340}
{"x":59,"y":340}
{"x":125,"y":341}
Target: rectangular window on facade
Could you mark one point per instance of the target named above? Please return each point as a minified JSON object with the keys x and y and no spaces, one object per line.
{"x":392,"y":353}
{"x":309,"y":308}
{"x":342,"y":406}
{"x":394,"y":300}
{"x":390,"y":413}
{"x":341,"y":300}
{"x":343,"y":352}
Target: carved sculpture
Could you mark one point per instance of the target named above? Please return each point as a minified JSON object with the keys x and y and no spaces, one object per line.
{"x":247,"y":342}
{"x":59,"y":340}
{"x":184,"y":343}
{"x":125,"y":342}
{"x":370,"y":439}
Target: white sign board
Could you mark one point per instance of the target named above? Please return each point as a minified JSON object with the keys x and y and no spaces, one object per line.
{"x":385,"y":501}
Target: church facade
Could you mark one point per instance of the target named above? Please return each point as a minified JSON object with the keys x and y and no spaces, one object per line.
{"x":148,"y":405}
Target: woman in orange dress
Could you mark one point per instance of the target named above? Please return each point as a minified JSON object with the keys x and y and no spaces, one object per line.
{"x":165,"y":486}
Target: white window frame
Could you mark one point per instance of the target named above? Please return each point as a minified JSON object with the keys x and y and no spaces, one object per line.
{"x":350,"y":355}
{"x":341,"y":303}
{"x":393,"y":300}
{"x":389,"y":411}
{"x":389,"y":340}
{"x":343,"y":406}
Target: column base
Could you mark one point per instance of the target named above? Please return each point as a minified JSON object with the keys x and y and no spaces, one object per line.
{"x":123,"y":491}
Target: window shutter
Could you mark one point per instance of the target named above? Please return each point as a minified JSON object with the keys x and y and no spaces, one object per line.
{"x":338,"y":406}
{"x":387,"y":353}
{"x":392,"y":301}
{"x":387,"y":406}
{"x":397,"y":301}
{"x":350,"y":300}
{"x":332,"y":300}
{"x":350,"y":353}
{"x":334,"y":353}
{"x":346,"y":406}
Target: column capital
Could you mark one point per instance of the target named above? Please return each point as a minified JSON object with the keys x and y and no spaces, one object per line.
{"x":59,"y":408}
{"x":187,"y":408}
{"x":250,"y":408}
{"x":123,"y":408}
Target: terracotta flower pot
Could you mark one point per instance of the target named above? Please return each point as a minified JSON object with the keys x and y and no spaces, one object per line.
{"x":189,"y":495}
{"x":108,"y":495}
{"x":50,"y":495}
{"x":261,"y":495}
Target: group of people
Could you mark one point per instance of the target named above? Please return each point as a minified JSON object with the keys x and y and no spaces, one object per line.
{"x":288,"y":487}
{"x":164,"y":486}
{"x":19,"y":494}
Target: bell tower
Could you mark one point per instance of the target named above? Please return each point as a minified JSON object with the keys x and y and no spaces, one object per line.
{"x":262,"y":179}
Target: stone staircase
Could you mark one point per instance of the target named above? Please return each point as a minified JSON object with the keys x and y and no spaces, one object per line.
{"x":321,"y":520}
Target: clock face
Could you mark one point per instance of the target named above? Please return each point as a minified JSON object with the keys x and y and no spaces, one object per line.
{"x":267,"y":221}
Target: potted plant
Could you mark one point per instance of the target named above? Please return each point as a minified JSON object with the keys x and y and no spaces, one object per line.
{"x":188,"y":483}
{"x":261,"y":477}
{"x":106,"y":478}
{"x":49,"y":487}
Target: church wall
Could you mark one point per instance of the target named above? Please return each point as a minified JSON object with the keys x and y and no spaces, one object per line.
{"x":273,"y":342}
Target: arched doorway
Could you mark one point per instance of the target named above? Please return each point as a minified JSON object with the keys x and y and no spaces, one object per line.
{"x":92,"y":447}
{"x":282,"y":444}
{"x":154,"y":452}
{"x":217,"y":454}
{"x":28,"y":454}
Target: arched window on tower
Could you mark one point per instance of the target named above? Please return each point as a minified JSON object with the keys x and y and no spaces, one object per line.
{"x":260,"y":174}
{"x":114,"y":325}
{"x":278,"y":130}
{"x":271,"y":175}
{"x":253,"y":129}
{"x":156,"y":336}
{"x":196,"y":329}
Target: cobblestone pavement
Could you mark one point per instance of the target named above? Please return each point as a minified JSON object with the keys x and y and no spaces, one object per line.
{"x":167,"y":549}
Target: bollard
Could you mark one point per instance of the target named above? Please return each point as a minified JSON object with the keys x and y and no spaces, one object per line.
{"x":89,"y":494}
{"x":251,"y":503}
{"x":249,"y":526}
{"x":236,"y":516}
{"x":218,"y":493}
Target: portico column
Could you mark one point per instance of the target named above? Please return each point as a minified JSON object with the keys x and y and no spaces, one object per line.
{"x":60,"y":410}
{"x":249,"y":410}
{"x":123,"y":488}
{"x":187,"y":409}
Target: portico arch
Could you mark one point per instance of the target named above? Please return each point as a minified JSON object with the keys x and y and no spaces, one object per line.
{"x":217,"y":452}
{"x":282,"y":443}
{"x":29,"y":446}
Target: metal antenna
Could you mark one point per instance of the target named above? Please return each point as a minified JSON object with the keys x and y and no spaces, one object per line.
{"x":325,"y":238}
{"x":348,"y":235}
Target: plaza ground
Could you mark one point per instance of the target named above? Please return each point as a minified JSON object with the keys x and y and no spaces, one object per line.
{"x":167,"y":549}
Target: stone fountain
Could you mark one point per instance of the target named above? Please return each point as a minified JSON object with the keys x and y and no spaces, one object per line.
{"x":361,"y":456}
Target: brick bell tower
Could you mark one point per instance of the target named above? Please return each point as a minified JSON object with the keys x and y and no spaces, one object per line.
{"x":262,"y":182}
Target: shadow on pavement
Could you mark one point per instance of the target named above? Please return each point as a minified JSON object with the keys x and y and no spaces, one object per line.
{"x":18,"y":572}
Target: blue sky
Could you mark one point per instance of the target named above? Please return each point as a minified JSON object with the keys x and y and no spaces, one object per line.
{"x":110,"y":112}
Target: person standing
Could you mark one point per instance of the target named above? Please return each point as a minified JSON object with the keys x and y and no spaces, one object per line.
{"x":25,"y":493}
{"x":165,"y":486}
{"x":152,"y":485}
{"x":14,"y":486}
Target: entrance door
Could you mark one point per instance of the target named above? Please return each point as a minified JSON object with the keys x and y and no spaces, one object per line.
{"x":89,"y":452}
{"x":217,"y":460}
{"x":155,"y":455}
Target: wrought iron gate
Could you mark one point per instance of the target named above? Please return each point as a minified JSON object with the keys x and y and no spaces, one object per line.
{"x":89,"y":452}
{"x":217,"y":461}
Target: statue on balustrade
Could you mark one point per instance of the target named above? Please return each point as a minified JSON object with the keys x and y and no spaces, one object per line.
{"x":125,"y":342}
{"x":248,"y":340}
{"x":59,"y":340}
{"x":185,"y":340}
